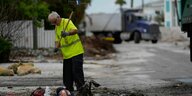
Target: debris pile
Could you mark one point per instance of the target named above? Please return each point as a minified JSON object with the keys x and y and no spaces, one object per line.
{"x":6,"y":72}
{"x":96,"y":46}
{"x":173,"y":34}
{"x":20,"y":69}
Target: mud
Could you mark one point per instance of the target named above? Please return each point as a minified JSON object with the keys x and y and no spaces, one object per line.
{"x":96,"y":47}
{"x":178,"y":89}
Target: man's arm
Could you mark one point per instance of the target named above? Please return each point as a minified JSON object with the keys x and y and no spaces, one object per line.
{"x":73,"y":32}
{"x":57,"y":45}
{"x":73,"y":29}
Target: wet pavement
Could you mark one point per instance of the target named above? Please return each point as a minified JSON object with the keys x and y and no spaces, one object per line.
{"x":162,"y":69}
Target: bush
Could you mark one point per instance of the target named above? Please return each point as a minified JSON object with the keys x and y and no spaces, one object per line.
{"x":5,"y":48}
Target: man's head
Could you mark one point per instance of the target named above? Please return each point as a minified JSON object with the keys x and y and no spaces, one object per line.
{"x":54,"y":18}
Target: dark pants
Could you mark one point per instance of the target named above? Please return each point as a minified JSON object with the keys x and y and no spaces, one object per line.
{"x":73,"y":72}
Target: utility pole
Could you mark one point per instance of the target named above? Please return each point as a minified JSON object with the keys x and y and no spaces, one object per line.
{"x":143,"y":4}
{"x":132,"y":3}
{"x":34,"y":28}
{"x":34,"y":35}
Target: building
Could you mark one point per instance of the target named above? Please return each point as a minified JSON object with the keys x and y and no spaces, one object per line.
{"x":168,"y":7}
{"x":152,"y":8}
{"x":170,"y":10}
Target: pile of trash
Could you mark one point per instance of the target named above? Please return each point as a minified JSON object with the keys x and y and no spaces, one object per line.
{"x":97,"y":46}
{"x":20,"y":69}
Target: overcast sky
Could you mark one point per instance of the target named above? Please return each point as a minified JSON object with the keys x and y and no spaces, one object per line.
{"x":109,"y":6}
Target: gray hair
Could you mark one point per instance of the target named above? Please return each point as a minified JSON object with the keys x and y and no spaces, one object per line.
{"x":53,"y":14}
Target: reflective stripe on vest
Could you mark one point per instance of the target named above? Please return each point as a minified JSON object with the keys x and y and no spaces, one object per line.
{"x":74,"y":42}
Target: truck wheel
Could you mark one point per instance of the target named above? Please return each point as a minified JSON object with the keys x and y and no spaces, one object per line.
{"x":137,"y":37}
{"x":118,"y":41}
{"x":154,"y":41}
{"x":117,"y":37}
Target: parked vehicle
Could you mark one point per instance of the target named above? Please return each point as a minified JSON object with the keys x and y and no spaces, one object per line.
{"x":185,"y":19}
{"x":138,"y":27}
{"x":128,"y":25}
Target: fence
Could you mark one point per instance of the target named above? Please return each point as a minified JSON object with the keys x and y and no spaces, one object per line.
{"x":45,"y":38}
{"x":25,"y":39}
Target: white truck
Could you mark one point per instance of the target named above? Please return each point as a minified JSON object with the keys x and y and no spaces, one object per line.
{"x":128,"y":23}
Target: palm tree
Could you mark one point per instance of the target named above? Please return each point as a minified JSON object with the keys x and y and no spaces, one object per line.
{"x":120,"y":3}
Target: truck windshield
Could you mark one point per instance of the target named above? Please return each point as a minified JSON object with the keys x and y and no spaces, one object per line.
{"x":141,"y":17}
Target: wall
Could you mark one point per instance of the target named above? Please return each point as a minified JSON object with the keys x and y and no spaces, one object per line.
{"x":171,"y":19}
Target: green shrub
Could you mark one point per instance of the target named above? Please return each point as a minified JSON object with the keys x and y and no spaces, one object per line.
{"x":5,"y":48}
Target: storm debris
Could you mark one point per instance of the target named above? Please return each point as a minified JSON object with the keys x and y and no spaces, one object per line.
{"x":20,"y":69}
{"x":25,"y":69}
{"x":97,"y":47}
{"x":6,"y":72}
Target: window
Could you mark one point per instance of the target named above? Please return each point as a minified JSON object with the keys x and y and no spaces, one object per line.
{"x":168,"y":23}
{"x":167,"y":6}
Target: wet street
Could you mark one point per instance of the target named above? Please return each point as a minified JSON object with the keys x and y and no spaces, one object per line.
{"x":144,"y":65}
{"x":147,"y":67}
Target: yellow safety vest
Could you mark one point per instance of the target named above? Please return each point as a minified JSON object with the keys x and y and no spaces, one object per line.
{"x":70,"y":45}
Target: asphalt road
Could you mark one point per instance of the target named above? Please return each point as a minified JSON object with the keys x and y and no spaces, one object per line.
{"x":146,"y":65}
{"x":137,"y":66}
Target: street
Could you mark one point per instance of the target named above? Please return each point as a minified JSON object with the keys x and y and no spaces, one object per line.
{"x":143,"y":65}
{"x":135,"y":66}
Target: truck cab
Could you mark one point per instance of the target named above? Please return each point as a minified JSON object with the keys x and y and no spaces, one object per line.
{"x":137,"y":27}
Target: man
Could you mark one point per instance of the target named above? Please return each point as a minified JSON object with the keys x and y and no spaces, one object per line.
{"x":72,"y":51}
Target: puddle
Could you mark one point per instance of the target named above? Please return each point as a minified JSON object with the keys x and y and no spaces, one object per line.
{"x":188,"y":80}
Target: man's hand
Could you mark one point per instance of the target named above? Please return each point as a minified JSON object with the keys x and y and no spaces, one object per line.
{"x":64,"y":34}
{"x":56,"y":50}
